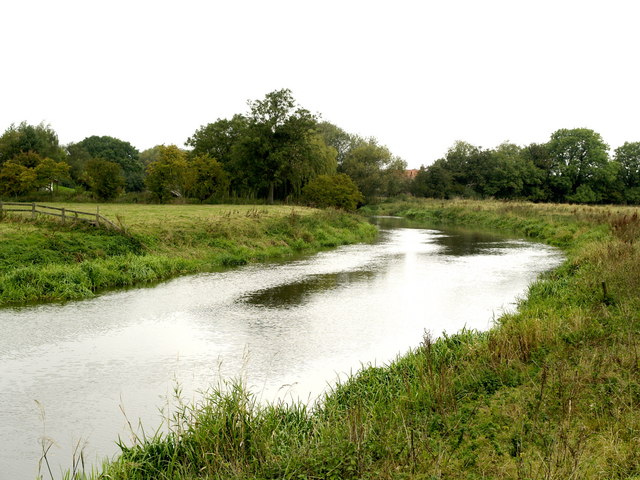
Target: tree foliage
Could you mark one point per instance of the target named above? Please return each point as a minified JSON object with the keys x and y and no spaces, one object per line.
{"x":280,"y":146}
{"x":337,"y":191}
{"x":205,"y":178}
{"x":116,"y":151}
{"x":167,"y":176}
{"x":573,"y":166}
{"x":578,"y":159}
{"x":104,"y":178}
{"x":24,"y":138}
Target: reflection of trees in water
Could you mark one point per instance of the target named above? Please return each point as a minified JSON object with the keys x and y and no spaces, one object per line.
{"x":456,"y":242}
{"x":292,"y":294}
{"x":469,"y":243}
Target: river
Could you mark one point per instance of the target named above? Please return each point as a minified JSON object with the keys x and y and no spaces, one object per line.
{"x":75,"y":374}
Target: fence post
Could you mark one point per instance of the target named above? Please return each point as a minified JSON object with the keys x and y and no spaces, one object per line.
{"x":33,"y":210}
{"x":98,"y":215}
{"x":64,"y":219}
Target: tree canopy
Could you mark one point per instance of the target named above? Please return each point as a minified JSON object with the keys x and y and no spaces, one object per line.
{"x":117,"y":151}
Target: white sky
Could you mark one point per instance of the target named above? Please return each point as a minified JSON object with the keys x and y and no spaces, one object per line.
{"x":417,"y":75}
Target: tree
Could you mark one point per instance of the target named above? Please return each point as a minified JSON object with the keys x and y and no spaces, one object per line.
{"x":434,"y":181}
{"x":120,"y":152}
{"x":217,"y":139}
{"x":206,"y":178}
{"x":16,"y":179}
{"x":28,"y":171}
{"x":628,"y":158}
{"x":279,"y":146}
{"x":337,"y":138}
{"x":395,"y":180}
{"x":578,"y":158}
{"x":167,"y":176}
{"x":50,"y":173}
{"x":104,"y":178}
{"x":506,"y":172}
{"x":365,"y":164}
{"x":337,"y":191}
{"x":24,"y":138}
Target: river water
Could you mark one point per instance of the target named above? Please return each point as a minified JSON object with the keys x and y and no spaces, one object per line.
{"x":76,"y":374}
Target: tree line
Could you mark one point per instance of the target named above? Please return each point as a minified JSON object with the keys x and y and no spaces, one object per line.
{"x":573,"y":166}
{"x":279,"y":151}
{"x":276,"y":151}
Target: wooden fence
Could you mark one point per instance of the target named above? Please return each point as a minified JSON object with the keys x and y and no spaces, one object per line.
{"x":66,"y":214}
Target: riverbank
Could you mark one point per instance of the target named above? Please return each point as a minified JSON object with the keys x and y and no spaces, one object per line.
{"x":551,"y":392}
{"x":44,"y":260}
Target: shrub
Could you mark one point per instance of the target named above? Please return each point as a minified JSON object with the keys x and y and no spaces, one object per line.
{"x":332,"y":191}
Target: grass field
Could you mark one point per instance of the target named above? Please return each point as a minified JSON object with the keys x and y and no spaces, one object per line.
{"x":44,"y":260}
{"x":552,"y":392}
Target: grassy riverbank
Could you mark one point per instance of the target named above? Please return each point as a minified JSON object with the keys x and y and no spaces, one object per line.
{"x":44,"y":260}
{"x":553,"y":391}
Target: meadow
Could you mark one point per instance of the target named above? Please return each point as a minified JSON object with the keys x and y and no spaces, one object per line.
{"x":44,"y":260}
{"x":551,"y":392}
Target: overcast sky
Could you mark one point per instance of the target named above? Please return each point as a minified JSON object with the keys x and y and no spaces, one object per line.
{"x":417,"y":75}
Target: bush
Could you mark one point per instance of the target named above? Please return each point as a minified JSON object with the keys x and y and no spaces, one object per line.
{"x":332,"y":191}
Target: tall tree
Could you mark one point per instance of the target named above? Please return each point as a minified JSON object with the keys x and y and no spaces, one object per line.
{"x":205,"y":178}
{"x":434,"y":181}
{"x":628,"y":158}
{"x":120,"y":152}
{"x":24,"y":138}
{"x":280,"y":146}
{"x":365,"y":164}
{"x":104,"y":178}
{"x":167,"y":176}
{"x":579,"y":160}
{"x":217,"y":139}
{"x":337,"y":138}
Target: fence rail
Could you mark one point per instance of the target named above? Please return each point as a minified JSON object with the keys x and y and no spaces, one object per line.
{"x":65,"y":214}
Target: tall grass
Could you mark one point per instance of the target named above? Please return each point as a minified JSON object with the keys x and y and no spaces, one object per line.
{"x":552,"y":392}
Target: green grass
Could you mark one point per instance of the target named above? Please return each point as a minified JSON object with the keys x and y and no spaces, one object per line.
{"x":43,"y":260}
{"x":552,"y":392}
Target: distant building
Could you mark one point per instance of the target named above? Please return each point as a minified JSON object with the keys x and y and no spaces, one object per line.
{"x":411,"y":174}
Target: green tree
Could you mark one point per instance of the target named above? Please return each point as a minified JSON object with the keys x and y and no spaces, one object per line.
{"x":628,"y":158}
{"x":337,"y":138}
{"x":217,"y":139}
{"x":50,"y":173}
{"x":579,"y":158}
{"x":167,"y":176}
{"x":365,"y":164}
{"x":395,"y":180}
{"x":279,"y":146}
{"x":434,"y":181}
{"x":16,"y":179}
{"x":24,"y":138}
{"x":104,"y":178}
{"x":120,"y":152}
{"x":205,"y":178}
{"x":337,"y":191}
{"x":507,"y":172}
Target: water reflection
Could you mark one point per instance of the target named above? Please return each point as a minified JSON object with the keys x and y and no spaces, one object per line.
{"x":301,"y":292}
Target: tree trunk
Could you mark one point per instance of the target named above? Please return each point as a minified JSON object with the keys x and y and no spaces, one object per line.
{"x":270,"y":196}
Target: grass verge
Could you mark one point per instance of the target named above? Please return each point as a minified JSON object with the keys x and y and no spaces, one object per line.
{"x":552,"y":392}
{"x":44,"y":260}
